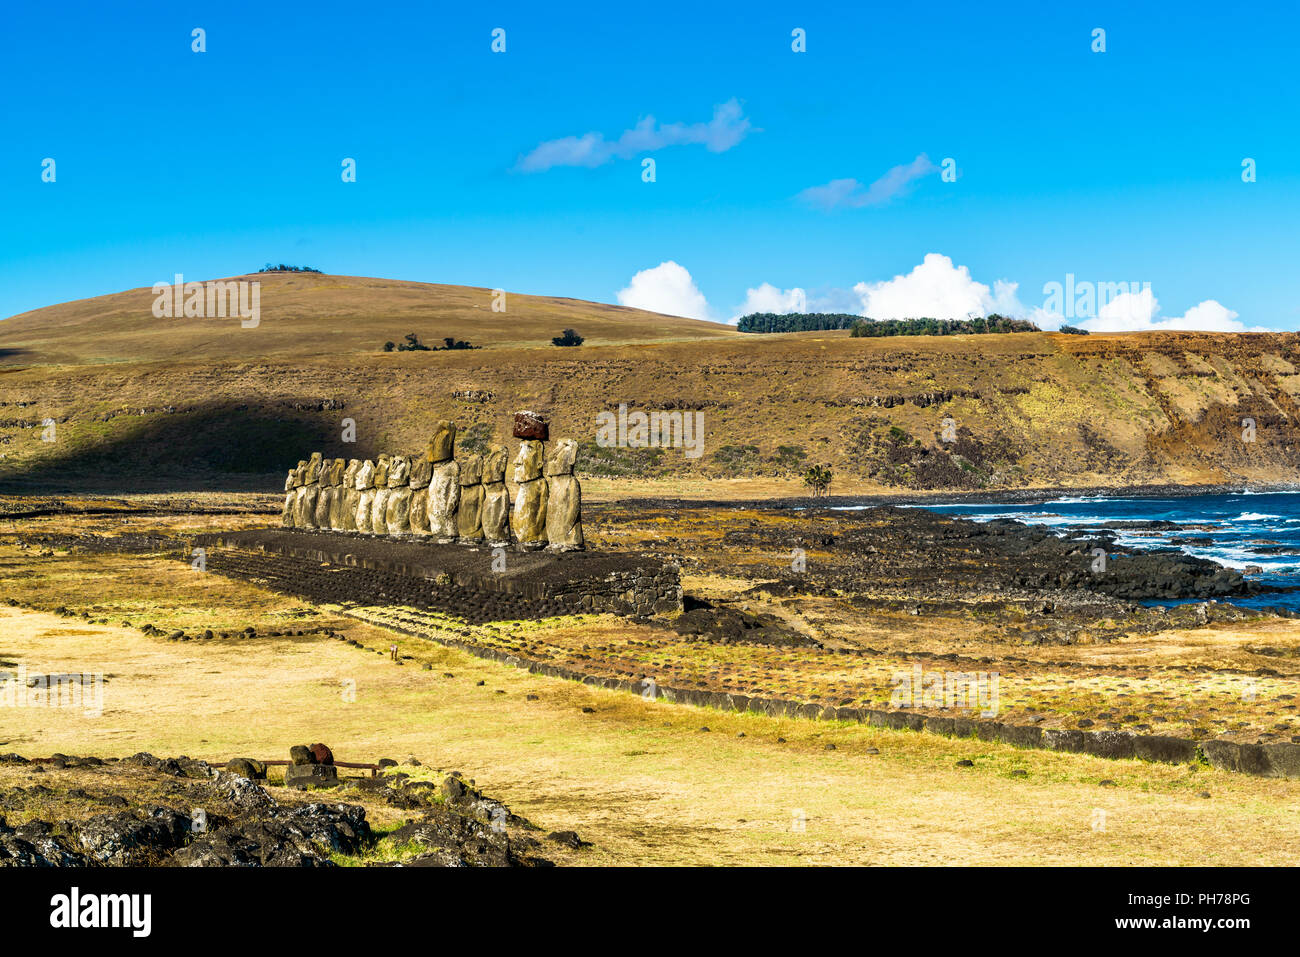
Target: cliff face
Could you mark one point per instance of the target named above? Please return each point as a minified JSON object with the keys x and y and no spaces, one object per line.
{"x":992,"y":411}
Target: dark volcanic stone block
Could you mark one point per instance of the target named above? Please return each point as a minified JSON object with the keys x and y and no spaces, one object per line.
{"x":1160,"y":747}
{"x":311,"y":776}
{"x":939,"y":725}
{"x":963,"y":727}
{"x":1108,"y":744}
{"x":1063,"y":739}
{"x":1283,"y":759}
{"x":1022,"y":735}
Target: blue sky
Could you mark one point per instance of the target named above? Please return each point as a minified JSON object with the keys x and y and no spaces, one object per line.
{"x":1122,"y":166}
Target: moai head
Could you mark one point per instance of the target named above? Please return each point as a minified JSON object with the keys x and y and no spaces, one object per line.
{"x":528,"y":462}
{"x":471,"y":469}
{"x":421,"y":471}
{"x":337,"y":468}
{"x":312,"y":476}
{"x":366,"y":475}
{"x":381,"y":471}
{"x":350,"y":473}
{"x":300,"y":474}
{"x":494,"y":464}
{"x":562,"y":457}
{"x":442,"y":447}
{"x":399,"y":472}
{"x":289,"y":479}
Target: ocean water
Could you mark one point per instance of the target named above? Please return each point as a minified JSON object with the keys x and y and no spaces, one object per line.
{"x":1241,"y":529}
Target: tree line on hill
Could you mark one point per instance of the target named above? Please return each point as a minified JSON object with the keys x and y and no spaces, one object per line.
{"x":795,"y":321}
{"x":413,"y":344}
{"x":940,"y":327}
{"x":285,"y":268}
{"x":859,"y":326}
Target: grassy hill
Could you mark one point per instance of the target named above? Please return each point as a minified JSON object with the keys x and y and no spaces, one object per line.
{"x":309,"y":315}
{"x":145,"y":403}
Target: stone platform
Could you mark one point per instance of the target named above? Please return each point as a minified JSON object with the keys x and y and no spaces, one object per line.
{"x":458,"y":579}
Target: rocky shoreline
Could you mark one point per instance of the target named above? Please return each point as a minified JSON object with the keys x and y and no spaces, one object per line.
{"x":1006,"y":496}
{"x":939,"y":562}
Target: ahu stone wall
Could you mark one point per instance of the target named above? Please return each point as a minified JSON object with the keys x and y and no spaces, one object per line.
{"x":435,"y":495}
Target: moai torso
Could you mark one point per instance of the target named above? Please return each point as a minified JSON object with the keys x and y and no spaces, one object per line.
{"x":338,"y":495}
{"x":397,"y":513}
{"x":331,"y":470}
{"x":469,"y":513}
{"x":564,"y":499}
{"x":350,"y":496}
{"x":421,"y":476}
{"x":496,"y":497}
{"x":366,"y":499}
{"x":528,"y":519}
{"x":379,"y":508}
{"x":311,"y":493}
{"x":444,"y":487}
{"x":291,"y":485}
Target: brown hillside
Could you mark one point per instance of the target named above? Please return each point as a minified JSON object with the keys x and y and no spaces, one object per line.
{"x":211,"y":403}
{"x":305,"y":315}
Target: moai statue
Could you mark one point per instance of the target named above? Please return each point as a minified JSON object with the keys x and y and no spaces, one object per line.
{"x":379,"y":509}
{"x":469,"y":515}
{"x":496,"y":497}
{"x":291,"y":486}
{"x":299,"y":491}
{"x":528,"y":520}
{"x":421,"y":476}
{"x":564,"y":500}
{"x":366,"y":496}
{"x":310,"y":492}
{"x":338,"y":494}
{"x":398,"y":514}
{"x":350,"y":497}
{"x":444,"y":490}
{"x":328,"y":490}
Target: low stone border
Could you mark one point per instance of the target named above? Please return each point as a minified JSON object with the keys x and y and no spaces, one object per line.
{"x":1277,"y":760}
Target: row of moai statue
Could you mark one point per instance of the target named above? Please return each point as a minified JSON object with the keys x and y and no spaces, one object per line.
{"x":445,"y":498}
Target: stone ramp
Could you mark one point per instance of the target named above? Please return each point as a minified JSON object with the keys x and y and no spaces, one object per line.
{"x":332,"y":566}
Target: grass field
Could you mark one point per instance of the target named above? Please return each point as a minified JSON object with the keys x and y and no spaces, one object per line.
{"x":643,"y":781}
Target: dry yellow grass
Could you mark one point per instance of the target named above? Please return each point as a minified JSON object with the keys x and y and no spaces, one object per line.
{"x":305,"y":314}
{"x":640,"y":779}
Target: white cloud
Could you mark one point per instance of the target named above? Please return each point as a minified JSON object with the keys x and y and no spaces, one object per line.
{"x":667,"y":288}
{"x":1136,"y":312}
{"x":936,"y":289}
{"x":768,"y":298}
{"x":727,"y":128}
{"x":852,"y":194}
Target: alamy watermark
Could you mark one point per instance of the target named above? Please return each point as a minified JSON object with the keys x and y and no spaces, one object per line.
{"x":217,"y":299}
{"x":670,"y":429}
{"x":1084,"y":299}
{"x":946,"y":690}
{"x":83,"y":690}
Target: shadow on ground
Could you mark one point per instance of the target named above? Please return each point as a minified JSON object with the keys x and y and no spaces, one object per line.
{"x":214,"y":446}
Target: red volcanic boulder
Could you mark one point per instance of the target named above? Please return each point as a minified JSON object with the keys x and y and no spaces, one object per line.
{"x":530,"y":425}
{"x":322,"y":754}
